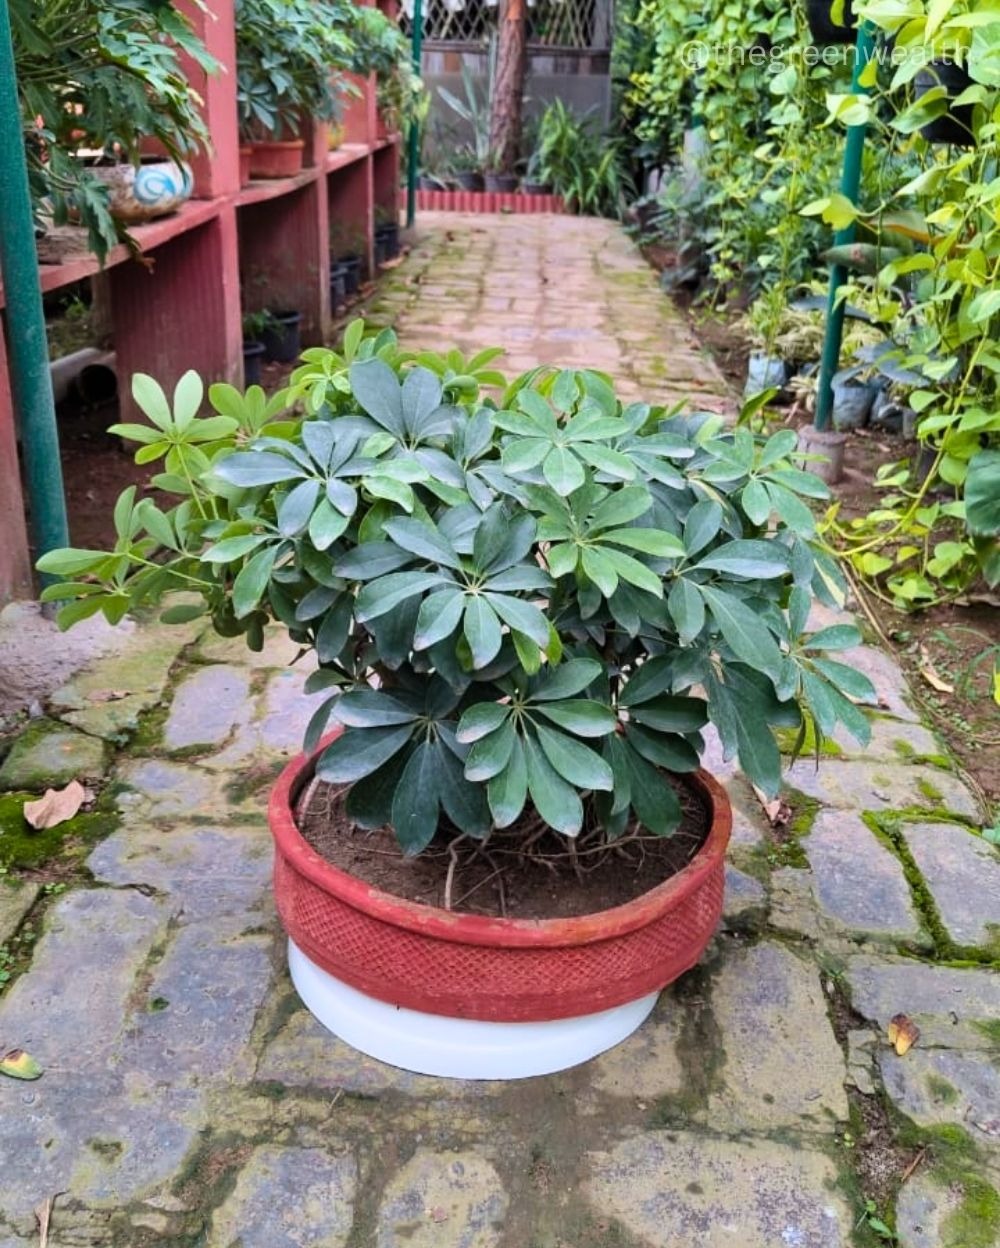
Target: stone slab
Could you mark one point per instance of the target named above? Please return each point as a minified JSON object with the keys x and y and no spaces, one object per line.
{"x":72,"y":1005}
{"x":744,"y":899}
{"x":442,"y":1198}
{"x":929,"y":1212}
{"x":679,"y":1190}
{"x":109,"y":697}
{"x":277,"y":727}
{"x":206,"y":707}
{"x":647,"y":1065}
{"x":195,"y":1010}
{"x":876,"y":786}
{"x":793,"y":903}
{"x":16,"y":899}
{"x":858,"y":883}
{"x":945,"y":1002}
{"x":200,"y":871}
{"x":92,"y":1135}
{"x":934,"y":1086}
{"x":154,"y":789}
{"x":893,"y":694}
{"x":288,"y":1198}
{"x":783,"y":1066}
{"x":963,"y":873}
{"x":49,"y":755}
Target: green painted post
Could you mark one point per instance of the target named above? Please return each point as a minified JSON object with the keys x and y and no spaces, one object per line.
{"x":850,"y":184}
{"x":414,"y":137}
{"x":31,"y":382}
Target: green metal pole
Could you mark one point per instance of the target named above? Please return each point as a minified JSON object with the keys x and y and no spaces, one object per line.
{"x":31,"y":382}
{"x":850,"y":184}
{"x":414,"y":153}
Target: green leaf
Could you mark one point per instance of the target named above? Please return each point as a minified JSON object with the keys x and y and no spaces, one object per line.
{"x":702,"y":525}
{"x":575,"y":762}
{"x":563,"y":470}
{"x":369,"y":560}
{"x":326,"y":525}
{"x":387,"y":592}
{"x":743,"y":631}
{"x":636,"y":573}
{"x":650,"y":541}
{"x":670,"y":713}
{"x":604,"y":459}
{"x":621,"y":507}
{"x":253,"y":468}
{"x":752,"y":559}
{"x":580,"y":716}
{"x":369,"y":800}
{"x":151,"y":400}
{"x":358,"y":752}
{"x":482,"y":631}
{"x":490,"y":754}
{"x":599,"y":568}
{"x":377,"y":389}
{"x":557,"y":802}
{"x":371,"y":708}
{"x":296,"y":508}
{"x":422,"y":539}
{"x":464,"y":803}
{"x":480,"y":720}
{"x":439,"y":616}
{"x":415,"y":802}
{"x":508,"y":791}
{"x":982,"y":494}
{"x":567,"y":679}
{"x":70,"y":562}
{"x":836,"y":637}
{"x":847,"y":679}
{"x":251,"y":581}
{"x":523,"y":616}
{"x":687,"y":609}
{"x":653,"y":800}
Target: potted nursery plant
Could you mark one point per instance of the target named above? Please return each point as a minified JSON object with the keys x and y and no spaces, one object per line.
{"x":526,"y":602}
{"x":95,"y":94}
{"x":255,"y":325}
{"x":285,"y":58}
{"x":472,"y":150}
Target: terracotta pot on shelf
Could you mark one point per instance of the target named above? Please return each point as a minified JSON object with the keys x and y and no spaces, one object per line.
{"x":276,"y":158}
{"x":246,"y":156}
{"x":469,"y":996}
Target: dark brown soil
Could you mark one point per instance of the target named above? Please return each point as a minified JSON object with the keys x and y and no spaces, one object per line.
{"x":496,"y":877}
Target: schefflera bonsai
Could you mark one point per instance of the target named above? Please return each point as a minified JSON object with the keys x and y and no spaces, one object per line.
{"x":522,"y":595}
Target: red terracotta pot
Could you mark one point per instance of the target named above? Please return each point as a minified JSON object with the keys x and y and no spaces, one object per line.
{"x":274,"y":158}
{"x":498,"y":970}
{"x":246,"y":154}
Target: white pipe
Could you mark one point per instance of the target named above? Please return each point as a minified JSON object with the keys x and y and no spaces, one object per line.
{"x":66,"y":371}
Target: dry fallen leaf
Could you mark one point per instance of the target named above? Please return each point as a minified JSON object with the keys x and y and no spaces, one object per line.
{"x":43,"y":1215}
{"x":438,"y":1214}
{"x":56,"y":806}
{"x":903,"y":1033}
{"x":778,"y":812}
{"x":19,"y":1065}
{"x":930,"y":674}
{"x":109,"y":695}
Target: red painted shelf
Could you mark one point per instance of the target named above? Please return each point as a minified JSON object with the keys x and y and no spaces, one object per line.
{"x":346,"y":154}
{"x":271,"y":188}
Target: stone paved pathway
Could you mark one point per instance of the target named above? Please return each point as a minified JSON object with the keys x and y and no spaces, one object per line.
{"x":189,"y":1100}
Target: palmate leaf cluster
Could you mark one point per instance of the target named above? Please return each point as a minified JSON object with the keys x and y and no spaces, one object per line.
{"x":523,"y":597}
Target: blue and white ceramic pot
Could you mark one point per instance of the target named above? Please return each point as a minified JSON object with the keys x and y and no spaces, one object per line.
{"x":151,"y":189}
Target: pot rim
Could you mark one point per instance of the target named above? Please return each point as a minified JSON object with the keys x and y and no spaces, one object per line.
{"x":282,"y":143}
{"x":473,"y":929}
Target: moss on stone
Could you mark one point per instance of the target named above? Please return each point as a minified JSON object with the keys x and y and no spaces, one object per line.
{"x":930,"y":791}
{"x":22,"y":846}
{"x":942,"y":1091}
{"x":990,"y":1027}
{"x":976,"y":1222}
{"x":787,"y":739}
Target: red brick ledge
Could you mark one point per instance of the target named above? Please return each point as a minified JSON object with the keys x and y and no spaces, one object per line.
{"x":487,"y":201}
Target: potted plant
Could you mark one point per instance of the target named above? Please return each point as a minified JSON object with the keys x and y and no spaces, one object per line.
{"x":472,"y":150}
{"x":831,"y":21}
{"x":526,"y":602}
{"x":498,"y":182}
{"x":94,"y":92}
{"x":285,"y":58}
{"x":255,"y":325}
